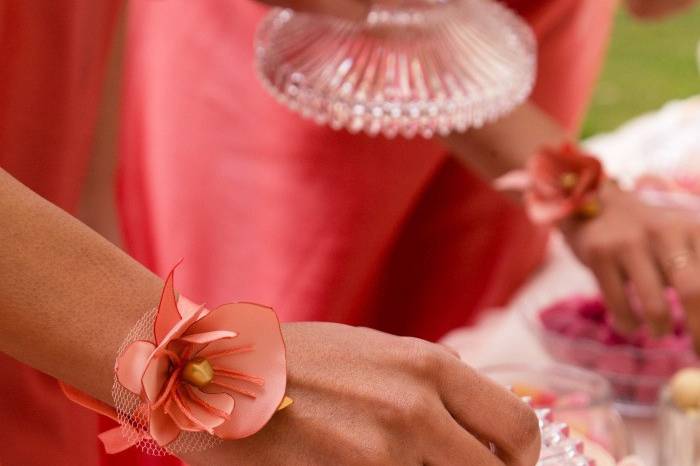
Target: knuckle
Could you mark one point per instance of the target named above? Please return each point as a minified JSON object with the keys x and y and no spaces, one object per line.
{"x":377,"y":452}
{"x":597,"y":249}
{"x":653,"y":305}
{"x":526,"y":436}
{"x":401,"y":411}
{"x":630,"y":241}
{"x":689,"y":290}
{"x":425,"y":358}
{"x":659,"y":227}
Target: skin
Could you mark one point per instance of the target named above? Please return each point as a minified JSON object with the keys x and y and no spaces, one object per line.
{"x":68,"y":297}
{"x":629,"y":245}
{"x":385,"y":400}
{"x":388,"y":400}
{"x":657,"y":9}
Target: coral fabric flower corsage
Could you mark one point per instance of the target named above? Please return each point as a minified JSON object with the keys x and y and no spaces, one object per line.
{"x":558,"y":183}
{"x":221,"y":371}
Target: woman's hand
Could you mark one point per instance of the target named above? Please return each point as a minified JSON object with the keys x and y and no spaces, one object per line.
{"x":647,"y":247}
{"x":656,"y":9}
{"x":351,"y":9}
{"x":362,"y":397}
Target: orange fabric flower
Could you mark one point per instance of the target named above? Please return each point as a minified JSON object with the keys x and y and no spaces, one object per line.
{"x":221,"y":371}
{"x":559,"y":182}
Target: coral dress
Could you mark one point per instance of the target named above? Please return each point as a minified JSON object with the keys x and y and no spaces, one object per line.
{"x":320,"y":224}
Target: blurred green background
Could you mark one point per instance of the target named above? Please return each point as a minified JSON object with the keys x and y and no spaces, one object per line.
{"x":648,"y":64}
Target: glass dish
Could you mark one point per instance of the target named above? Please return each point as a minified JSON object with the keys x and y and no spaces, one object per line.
{"x":636,"y":374}
{"x":679,"y":434}
{"x":579,"y":399}
{"x":411,"y":67}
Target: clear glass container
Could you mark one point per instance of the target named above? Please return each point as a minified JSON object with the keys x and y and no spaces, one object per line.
{"x":679,"y":434}
{"x":411,"y":67}
{"x":635,"y":373}
{"x":579,"y":422}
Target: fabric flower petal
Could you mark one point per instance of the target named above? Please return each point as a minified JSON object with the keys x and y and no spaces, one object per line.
{"x":162,"y":427}
{"x":168,"y":314}
{"x":155,"y":376}
{"x":516,"y":180}
{"x":182,"y":326}
{"x":114,"y":440}
{"x":219,"y":401}
{"x":259,"y":330}
{"x":543,"y":212}
{"x":193,"y":410}
{"x":179,"y":418}
{"x":130,"y":365}
{"x":206,"y":337}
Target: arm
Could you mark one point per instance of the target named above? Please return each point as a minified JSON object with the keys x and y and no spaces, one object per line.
{"x":657,"y":9}
{"x":507,"y":143}
{"x":629,"y":243}
{"x":68,"y":297}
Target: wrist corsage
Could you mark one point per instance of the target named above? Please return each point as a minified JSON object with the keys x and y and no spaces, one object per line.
{"x":559,"y":183}
{"x":187,"y":377}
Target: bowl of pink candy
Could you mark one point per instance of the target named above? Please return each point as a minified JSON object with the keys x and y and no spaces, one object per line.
{"x":577,"y":330}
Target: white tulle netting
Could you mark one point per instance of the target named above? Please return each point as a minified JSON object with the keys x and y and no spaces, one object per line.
{"x":134,"y":422}
{"x":412,"y":67}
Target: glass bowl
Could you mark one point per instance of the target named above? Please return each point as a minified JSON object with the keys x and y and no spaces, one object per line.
{"x":679,"y":433}
{"x":636,"y":373}
{"x":577,"y":398}
{"x":411,"y":67}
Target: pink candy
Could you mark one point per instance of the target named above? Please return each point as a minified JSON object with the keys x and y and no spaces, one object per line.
{"x":637,"y":365}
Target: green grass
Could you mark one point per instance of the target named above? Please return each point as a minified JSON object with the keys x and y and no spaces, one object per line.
{"x":648,"y":64}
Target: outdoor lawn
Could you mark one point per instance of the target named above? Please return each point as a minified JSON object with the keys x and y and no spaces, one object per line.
{"x":648,"y":64}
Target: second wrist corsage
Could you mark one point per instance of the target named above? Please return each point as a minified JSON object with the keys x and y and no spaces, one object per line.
{"x":558,"y":183}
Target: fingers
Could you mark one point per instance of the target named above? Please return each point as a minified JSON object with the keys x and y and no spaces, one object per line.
{"x":491,"y":413}
{"x":657,"y":9}
{"x":350,"y":9}
{"x":641,"y":268}
{"x":456,"y":446}
{"x":678,"y":256}
{"x":612,"y":285}
{"x":449,"y":350}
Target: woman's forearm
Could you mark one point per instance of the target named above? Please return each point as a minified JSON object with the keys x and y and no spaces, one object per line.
{"x":67,"y":296}
{"x":507,"y":143}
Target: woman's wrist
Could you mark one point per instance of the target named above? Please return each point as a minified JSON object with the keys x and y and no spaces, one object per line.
{"x":560,"y":184}
{"x":67,"y":296}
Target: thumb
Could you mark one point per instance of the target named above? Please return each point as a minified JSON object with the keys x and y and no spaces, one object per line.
{"x":348,"y":9}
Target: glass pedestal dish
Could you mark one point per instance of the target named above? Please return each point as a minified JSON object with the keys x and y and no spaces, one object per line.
{"x":578,"y":421}
{"x":412,"y":67}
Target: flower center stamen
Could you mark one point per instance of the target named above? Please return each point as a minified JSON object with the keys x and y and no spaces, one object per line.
{"x":198,"y":372}
{"x":568,"y":180}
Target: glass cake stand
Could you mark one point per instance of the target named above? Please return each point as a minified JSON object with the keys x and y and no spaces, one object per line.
{"x":410,"y":67}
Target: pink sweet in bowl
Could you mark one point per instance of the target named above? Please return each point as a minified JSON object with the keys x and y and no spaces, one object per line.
{"x":577,"y":330}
